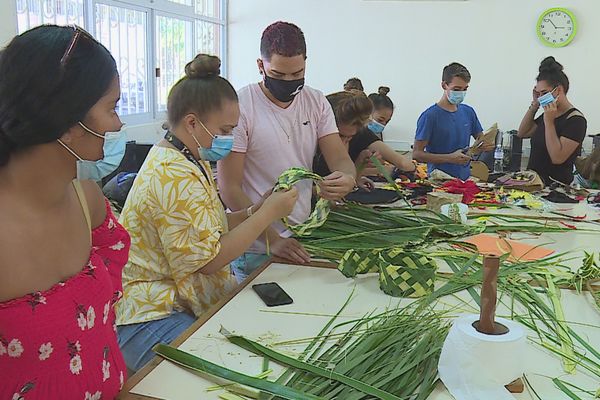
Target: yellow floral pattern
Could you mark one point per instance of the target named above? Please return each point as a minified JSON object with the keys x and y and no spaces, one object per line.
{"x":175,"y":219}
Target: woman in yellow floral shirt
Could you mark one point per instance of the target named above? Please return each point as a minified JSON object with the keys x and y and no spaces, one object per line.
{"x":181,"y":239}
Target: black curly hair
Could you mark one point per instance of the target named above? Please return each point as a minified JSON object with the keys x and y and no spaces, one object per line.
{"x":50,"y":77}
{"x":551,"y":71}
{"x":284,"y":39}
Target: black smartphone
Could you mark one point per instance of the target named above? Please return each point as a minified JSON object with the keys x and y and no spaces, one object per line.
{"x":272,"y":294}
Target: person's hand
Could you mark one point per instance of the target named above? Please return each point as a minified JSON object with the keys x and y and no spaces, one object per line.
{"x":370,"y":171}
{"x":336,"y":185}
{"x":364,"y":158}
{"x":535,"y":104}
{"x":486,"y":147}
{"x":477,"y":148}
{"x":289,"y":249}
{"x":281,"y":204}
{"x":458,"y":157}
{"x":365,"y":183}
{"x":256,"y":206}
{"x":550,"y":113}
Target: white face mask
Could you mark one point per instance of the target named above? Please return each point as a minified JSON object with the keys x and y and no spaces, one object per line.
{"x":113,"y":150}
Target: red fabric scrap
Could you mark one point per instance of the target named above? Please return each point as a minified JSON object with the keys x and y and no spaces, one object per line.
{"x":467,"y":188}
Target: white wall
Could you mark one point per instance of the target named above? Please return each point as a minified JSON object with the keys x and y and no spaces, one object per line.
{"x":8,"y":21}
{"x":405,"y":45}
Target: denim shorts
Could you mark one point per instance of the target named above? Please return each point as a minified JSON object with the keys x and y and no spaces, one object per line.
{"x":245,"y":264}
{"x":136,"y":340}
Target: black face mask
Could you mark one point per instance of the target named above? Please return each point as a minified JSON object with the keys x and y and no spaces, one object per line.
{"x":284,"y":91}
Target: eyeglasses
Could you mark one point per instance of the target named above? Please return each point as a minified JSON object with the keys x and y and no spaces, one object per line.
{"x":77,"y":34}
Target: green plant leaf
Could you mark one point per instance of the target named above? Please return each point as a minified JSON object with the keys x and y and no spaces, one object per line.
{"x":259,"y":349}
{"x":192,"y":362}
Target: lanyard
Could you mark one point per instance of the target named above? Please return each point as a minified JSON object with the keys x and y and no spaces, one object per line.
{"x":185,"y":151}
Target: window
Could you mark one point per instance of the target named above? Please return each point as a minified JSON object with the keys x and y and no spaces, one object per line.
{"x":174,"y":49}
{"x":123,"y":32}
{"x":151,"y":41}
{"x":32,"y":13}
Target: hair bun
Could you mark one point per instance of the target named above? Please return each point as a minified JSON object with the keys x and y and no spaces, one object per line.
{"x":549,"y":64}
{"x":356,"y":92}
{"x":203,"y":66}
{"x":354,"y":83}
{"x":383,"y":90}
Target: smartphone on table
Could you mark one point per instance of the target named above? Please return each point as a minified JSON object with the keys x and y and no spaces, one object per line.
{"x":272,"y":294}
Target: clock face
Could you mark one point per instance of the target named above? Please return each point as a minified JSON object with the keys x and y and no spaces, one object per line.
{"x":556,"y":27}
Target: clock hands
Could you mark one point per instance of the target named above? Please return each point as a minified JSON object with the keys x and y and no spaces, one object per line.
{"x":556,"y":32}
{"x":555,"y":27}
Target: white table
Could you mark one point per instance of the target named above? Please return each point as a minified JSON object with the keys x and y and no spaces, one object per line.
{"x":318,"y":290}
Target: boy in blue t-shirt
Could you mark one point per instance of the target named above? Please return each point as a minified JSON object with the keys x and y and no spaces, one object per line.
{"x":444,"y":130}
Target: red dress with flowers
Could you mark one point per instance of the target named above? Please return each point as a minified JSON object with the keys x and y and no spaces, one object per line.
{"x":62,"y":343}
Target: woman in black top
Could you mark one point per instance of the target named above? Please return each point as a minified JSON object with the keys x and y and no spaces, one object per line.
{"x":557,"y":134}
{"x":349,"y":108}
{"x":383,"y":109}
{"x":369,"y":141}
{"x":352,"y":110}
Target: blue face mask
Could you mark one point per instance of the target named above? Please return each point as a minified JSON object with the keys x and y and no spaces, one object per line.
{"x":376,"y":127}
{"x":113,"y":150}
{"x":456,"y":96}
{"x":220,"y":147}
{"x":547,"y":98}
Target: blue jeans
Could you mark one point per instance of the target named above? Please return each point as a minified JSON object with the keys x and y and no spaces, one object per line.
{"x":245,"y":264}
{"x":136,"y":340}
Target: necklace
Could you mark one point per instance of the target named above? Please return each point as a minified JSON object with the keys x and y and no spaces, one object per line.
{"x":289,"y":139}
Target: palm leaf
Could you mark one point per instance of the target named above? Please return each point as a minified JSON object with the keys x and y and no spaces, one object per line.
{"x":198,"y":364}
{"x":259,"y":349}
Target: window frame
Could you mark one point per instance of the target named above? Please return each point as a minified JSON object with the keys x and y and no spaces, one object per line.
{"x":162,"y":114}
{"x":153,"y":9}
{"x":90,"y":18}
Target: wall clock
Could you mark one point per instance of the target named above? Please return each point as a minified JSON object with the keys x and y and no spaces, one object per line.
{"x":556,"y":27}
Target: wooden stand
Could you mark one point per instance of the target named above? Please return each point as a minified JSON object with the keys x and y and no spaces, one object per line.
{"x":487,"y":324}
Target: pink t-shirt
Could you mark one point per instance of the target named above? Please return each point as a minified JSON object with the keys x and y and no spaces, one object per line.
{"x":275,"y":139}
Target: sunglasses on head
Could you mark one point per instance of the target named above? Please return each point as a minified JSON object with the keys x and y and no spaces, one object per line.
{"x":78,"y":33}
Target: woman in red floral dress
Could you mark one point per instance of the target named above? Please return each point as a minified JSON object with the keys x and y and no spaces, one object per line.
{"x":61,"y":249}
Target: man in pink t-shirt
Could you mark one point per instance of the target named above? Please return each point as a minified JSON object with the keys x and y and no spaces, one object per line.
{"x":282,"y":122}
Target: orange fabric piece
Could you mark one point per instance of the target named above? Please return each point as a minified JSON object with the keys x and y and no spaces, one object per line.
{"x":493,"y":245}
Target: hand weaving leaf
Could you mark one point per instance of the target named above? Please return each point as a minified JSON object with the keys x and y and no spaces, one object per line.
{"x":319,"y":215}
{"x":381,"y":168}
